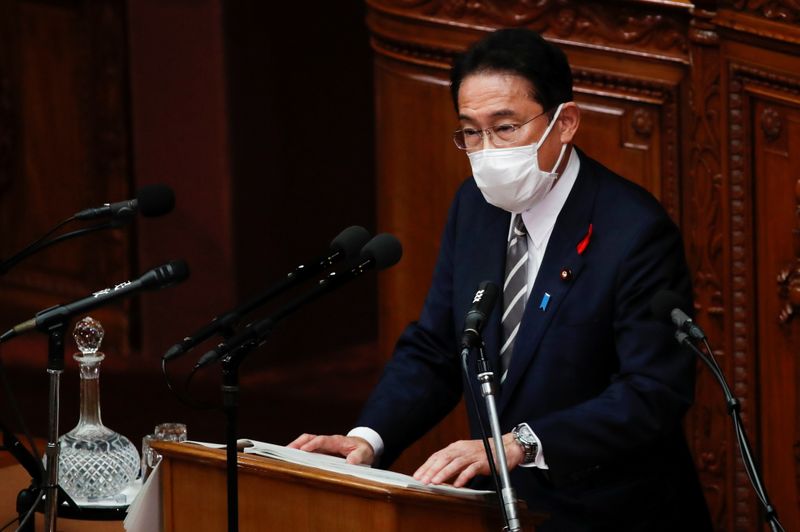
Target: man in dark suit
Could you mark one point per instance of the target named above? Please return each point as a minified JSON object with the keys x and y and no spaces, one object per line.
{"x":592,"y":387}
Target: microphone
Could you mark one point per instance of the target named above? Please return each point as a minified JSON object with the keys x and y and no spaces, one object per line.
{"x":165,"y":275}
{"x":666,"y":305}
{"x":482,"y":305}
{"x":381,"y":252}
{"x":347,"y":245}
{"x":151,"y":200}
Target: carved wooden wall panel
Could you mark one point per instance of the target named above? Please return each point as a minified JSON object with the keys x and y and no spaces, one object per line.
{"x":764,"y":109}
{"x":626,"y":138}
{"x":63,"y":142}
{"x":776,"y":171}
{"x":631,"y":125}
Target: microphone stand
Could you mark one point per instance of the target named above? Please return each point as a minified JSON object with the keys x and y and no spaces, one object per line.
{"x":230,"y":407}
{"x":254,"y":335}
{"x":508,"y":498}
{"x":230,"y":398}
{"x":230,"y":403}
{"x":734,"y":410}
{"x":55,"y":367}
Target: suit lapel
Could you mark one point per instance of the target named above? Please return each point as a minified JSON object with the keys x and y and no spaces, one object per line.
{"x":561,"y":254}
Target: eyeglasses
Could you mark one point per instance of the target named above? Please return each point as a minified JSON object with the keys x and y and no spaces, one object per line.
{"x":469,"y":138}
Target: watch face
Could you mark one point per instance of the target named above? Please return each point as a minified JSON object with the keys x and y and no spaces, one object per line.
{"x":525,"y":434}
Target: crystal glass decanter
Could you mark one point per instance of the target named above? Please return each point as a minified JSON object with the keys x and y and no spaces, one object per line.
{"x":96,"y":463}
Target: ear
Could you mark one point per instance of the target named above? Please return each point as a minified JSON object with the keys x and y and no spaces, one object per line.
{"x":568,"y":121}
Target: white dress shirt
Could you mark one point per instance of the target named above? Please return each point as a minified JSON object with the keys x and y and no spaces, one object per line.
{"x":539,"y":220}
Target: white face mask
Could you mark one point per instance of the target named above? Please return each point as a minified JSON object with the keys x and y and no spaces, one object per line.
{"x":510,"y":178}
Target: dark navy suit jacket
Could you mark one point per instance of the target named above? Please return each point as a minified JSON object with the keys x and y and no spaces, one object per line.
{"x":598,"y":378}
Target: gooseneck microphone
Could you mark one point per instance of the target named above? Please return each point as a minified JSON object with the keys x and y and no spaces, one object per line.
{"x":346,"y":246}
{"x":150,"y":200}
{"x":165,"y":275}
{"x":667,"y":305}
{"x":482,"y":305}
{"x":381,"y":252}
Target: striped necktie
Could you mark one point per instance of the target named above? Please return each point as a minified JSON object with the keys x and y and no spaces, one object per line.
{"x":515,"y":290}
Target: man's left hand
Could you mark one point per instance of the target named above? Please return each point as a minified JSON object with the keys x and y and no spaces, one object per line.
{"x":464,"y":459}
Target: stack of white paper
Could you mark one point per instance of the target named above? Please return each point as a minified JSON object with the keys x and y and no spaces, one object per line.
{"x":339,"y":465}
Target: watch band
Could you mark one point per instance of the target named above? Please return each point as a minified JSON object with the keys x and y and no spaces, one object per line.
{"x":524,"y":436}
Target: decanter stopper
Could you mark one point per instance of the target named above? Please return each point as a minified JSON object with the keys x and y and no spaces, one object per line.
{"x":88,"y":335}
{"x":96,"y":464}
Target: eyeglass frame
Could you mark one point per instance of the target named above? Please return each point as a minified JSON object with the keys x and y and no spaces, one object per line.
{"x":489,"y":131}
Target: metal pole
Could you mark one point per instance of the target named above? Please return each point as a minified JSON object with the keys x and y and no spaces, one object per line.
{"x":507,"y":494}
{"x":55,"y":367}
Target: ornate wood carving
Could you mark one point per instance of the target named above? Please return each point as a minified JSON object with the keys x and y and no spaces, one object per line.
{"x":771,"y":123}
{"x":742,"y":79}
{"x":642,"y":123}
{"x":742,"y":282}
{"x":616,"y":24}
{"x":789,"y":277}
{"x":650,"y":90}
{"x":705,"y":237}
{"x":665,"y":95}
{"x":779,"y":10}
{"x":427,"y":56}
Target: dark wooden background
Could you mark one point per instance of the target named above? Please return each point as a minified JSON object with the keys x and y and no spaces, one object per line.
{"x":280,"y":123}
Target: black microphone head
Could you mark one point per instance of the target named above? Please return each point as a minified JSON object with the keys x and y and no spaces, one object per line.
{"x":165,"y":275}
{"x":482,"y":304}
{"x":384,"y":249}
{"x":664,"y":302}
{"x":485,"y":297}
{"x":350,"y":241}
{"x":155,"y":200}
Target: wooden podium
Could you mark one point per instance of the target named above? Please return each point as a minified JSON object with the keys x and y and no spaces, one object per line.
{"x":278,"y":496}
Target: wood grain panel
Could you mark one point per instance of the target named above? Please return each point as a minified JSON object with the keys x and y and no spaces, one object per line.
{"x":762,"y":89}
{"x":624,"y":137}
{"x":62,"y":94}
{"x":776,"y":130}
{"x":305,"y":498}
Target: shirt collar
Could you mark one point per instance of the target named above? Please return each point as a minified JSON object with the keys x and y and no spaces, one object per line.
{"x":541,"y":217}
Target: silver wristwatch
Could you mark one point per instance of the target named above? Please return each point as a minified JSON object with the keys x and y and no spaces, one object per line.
{"x":524,"y":436}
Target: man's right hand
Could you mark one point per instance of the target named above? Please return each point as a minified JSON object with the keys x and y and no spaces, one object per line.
{"x":355,"y":450}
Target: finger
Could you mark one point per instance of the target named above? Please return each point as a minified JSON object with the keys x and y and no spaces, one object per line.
{"x":423,"y":470}
{"x":300,"y":441}
{"x":467,"y":474}
{"x":362,"y":454}
{"x":320,"y":444}
{"x":434,"y":465}
{"x":450,"y":470}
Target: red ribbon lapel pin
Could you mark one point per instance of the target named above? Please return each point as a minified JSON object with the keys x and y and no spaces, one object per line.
{"x":585,"y":241}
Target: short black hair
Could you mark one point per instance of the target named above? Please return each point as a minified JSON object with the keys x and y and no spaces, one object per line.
{"x":520,"y":52}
